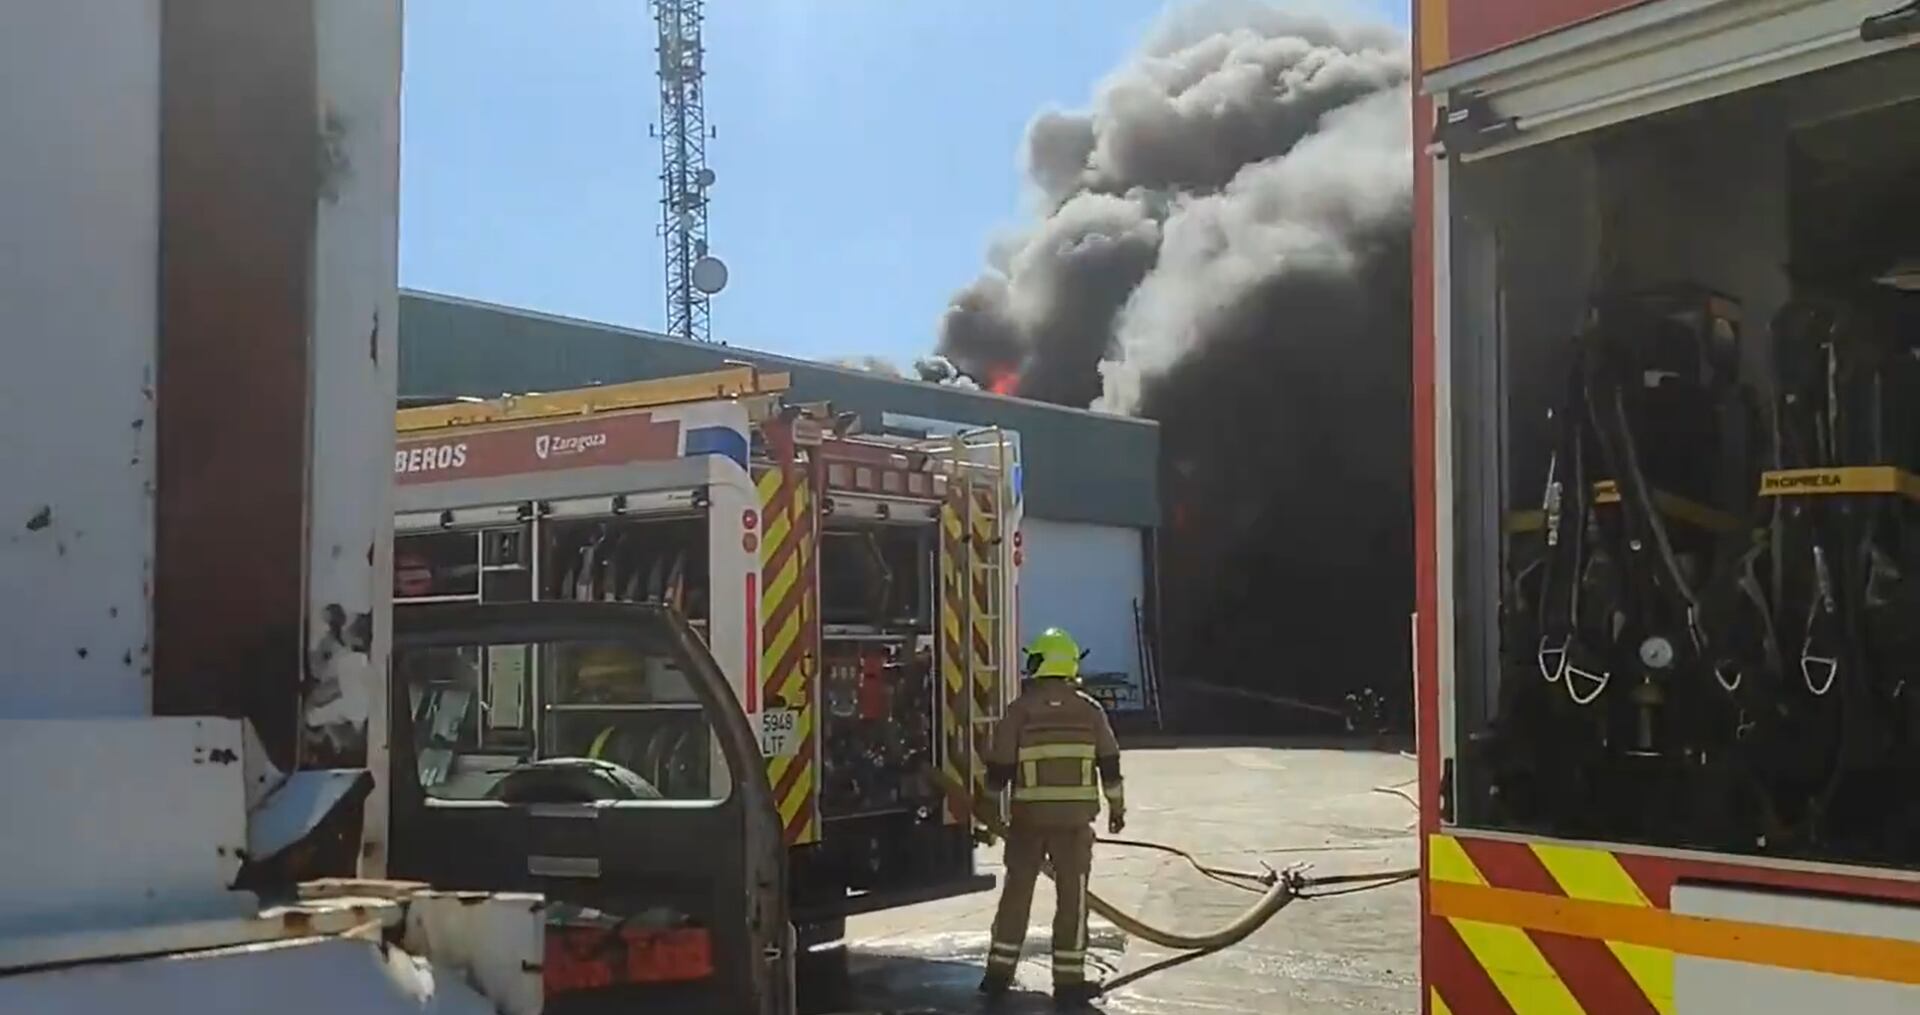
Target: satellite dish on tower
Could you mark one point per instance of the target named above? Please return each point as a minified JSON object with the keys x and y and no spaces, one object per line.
{"x":704,"y":177}
{"x":709,"y":275}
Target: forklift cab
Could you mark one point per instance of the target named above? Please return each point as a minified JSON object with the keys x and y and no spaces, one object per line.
{"x":595,"y":753}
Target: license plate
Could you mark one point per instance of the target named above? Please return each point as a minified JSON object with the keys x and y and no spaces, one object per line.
{"x":780,"y":732}
{"x":585,"y":958}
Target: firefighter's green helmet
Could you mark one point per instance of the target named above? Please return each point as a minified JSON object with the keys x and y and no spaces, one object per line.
{"x":1054,"y":653}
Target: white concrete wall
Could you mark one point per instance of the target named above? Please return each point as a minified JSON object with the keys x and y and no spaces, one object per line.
{"x":79,"y":231}
{"x":1085,"y":578}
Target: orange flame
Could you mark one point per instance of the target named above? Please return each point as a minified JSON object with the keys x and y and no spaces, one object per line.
{"x":1002,"y":381}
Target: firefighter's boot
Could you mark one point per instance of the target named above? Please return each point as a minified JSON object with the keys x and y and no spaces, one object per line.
{"x":1075,"y":996}
{"x":995,"y":985}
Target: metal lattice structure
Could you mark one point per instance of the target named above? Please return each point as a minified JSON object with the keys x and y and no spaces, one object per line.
{"x":692,"y":276}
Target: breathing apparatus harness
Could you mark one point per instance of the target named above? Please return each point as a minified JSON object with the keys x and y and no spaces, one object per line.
{"x":1782,"y":647}
{"x":1615,"y":596}
{"x":1833,"y":362}
{"x":1841,"y":555}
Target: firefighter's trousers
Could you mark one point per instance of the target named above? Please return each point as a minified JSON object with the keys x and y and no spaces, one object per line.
{"x":1071,"y":850}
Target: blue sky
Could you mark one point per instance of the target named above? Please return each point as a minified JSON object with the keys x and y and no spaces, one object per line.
{"x":867,"y":149}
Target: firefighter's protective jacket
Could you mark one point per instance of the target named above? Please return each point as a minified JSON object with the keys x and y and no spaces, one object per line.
{"x":1049,"y":746}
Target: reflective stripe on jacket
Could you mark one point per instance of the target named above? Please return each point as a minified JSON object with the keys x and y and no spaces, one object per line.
{"x":1056,"y":748}
{"x":1043,"y":777}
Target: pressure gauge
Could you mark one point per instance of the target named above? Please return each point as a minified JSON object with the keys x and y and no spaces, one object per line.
{"x":1657,"y":653}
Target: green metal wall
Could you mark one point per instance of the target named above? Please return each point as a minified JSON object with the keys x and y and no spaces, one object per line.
{"x":1080,"y":467}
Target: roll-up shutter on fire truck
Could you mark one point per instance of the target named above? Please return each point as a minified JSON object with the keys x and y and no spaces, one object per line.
{"x":1651,"y":58}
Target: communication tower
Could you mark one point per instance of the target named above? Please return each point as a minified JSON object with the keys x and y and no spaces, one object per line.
{"x":693,"y":274}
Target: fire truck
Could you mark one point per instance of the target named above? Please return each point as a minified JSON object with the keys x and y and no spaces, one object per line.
{"x":1667,"y":362}
{"x":852,"y":588}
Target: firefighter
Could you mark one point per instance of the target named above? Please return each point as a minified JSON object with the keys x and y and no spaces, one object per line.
{"x":1048,"y":746}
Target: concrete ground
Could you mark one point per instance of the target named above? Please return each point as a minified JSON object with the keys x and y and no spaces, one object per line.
{"x":1234,"y":806}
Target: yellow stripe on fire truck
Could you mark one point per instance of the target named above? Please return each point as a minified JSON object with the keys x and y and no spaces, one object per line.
{"x":1518,"y":969}
{"x":1594,"y":970}
{"x":785,"y":604}
{"x":1526,"y":927}
{"x":1596,"y":876}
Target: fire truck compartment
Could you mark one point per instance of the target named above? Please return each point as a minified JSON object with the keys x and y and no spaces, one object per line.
{"x":637,"y":560}
{"x":881,"y":710}
{"x":877,"y":576}
{"x":517,"y":706}
{"x":1681,"y":416}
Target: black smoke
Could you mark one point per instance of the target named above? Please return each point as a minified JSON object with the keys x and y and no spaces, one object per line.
{"x":1223,"y":244}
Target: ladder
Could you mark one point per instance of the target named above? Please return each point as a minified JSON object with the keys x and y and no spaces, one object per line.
{"x":986,"y":603}
{"x":747,"y":383}
{"x":975,"y":604}
{"x":982,"y":485}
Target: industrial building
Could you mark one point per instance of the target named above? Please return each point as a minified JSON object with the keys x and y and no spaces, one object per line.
{"x":1090,"y":480}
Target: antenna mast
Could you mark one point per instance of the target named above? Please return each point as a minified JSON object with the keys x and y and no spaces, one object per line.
{"x":693,"y":275}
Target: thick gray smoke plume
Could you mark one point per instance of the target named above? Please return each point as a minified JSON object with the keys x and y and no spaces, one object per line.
{"x":1245,"y":142}
{"x":1222,"y":243}
{"x":934,"y":369}
{"x":868,"y":364}
{"x":938,"y":369}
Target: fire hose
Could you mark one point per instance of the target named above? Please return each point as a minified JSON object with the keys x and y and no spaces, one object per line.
{"x":1281,"y":888}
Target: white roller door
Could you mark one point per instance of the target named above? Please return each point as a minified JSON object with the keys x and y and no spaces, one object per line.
{"x":1086,"y":578}
{"x":1651,"y":58}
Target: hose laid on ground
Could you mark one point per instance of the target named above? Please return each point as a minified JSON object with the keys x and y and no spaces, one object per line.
{"x":1271,"y":699}
{"x":1246,"y":881}
{"x":1281,"y":890}
{"x":1276,"y":898}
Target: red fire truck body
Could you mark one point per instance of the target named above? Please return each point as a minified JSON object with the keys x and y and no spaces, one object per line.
{"x":1565,"y":150}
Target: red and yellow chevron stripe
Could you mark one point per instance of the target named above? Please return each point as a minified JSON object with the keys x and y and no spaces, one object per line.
{"x":1477,"y":965}
{"x":955,"y":755}
{"x":1527,"y":927}
{"x":788,"y":631}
